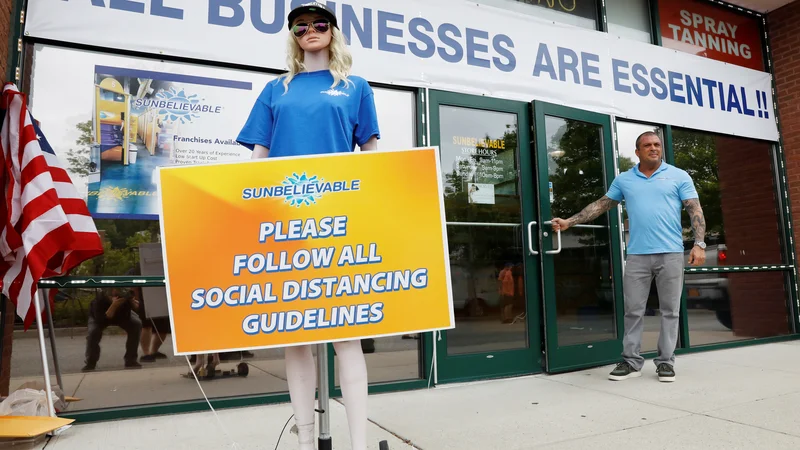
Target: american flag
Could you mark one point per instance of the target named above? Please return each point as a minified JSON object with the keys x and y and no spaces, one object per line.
{"x":47,"y":229}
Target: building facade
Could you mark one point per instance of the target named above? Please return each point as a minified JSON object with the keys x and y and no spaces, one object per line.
{"x":535,"y":107}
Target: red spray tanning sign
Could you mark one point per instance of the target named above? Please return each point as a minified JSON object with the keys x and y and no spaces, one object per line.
{"x":709,"y":31}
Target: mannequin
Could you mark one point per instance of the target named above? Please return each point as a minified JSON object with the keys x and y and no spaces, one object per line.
{"x":303,"y":113}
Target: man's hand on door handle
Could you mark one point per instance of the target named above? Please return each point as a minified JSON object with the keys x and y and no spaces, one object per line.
{"x":560,"y":224}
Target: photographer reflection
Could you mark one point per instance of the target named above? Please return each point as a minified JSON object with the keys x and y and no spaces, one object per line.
{"x":154,"y":329}
{"x":154,"y":333}
{"x":506,"y":288}
{"x":113,"y":306}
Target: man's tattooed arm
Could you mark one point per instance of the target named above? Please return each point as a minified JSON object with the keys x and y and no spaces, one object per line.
{"x":593,"y":211}
{"x":695,"y":212}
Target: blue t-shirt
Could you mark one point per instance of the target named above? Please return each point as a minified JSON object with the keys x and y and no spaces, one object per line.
{"x":654,"y":207}
{"x":311,"y":118}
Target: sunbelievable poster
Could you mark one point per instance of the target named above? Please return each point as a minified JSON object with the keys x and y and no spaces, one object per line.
{"x":288,"y":251}
{"x":144,"y":119}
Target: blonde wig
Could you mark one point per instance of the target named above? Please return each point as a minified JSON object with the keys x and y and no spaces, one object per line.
{"x":340,"y":59}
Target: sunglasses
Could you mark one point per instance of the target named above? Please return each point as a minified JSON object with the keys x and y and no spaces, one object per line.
{"x":321,"y":26}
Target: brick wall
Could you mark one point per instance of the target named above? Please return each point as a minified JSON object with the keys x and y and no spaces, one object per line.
{"x":5,"y":25}
{"x":758,"y":304}
{"x":749,"y":205}
{"x":5,"y":367}
{"x":752,"y":236}
{"x":784,"y":33}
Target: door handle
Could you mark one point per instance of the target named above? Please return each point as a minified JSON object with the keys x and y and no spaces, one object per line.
{"x":530,"y":238}
{"x":558,"y":234}
{"x":594,"y":227}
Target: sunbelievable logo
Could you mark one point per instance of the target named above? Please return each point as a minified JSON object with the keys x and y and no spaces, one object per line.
{"x":335,"y":93}
{"x":174,"y":105}
{"x":118,"y":194}
{"x":301,"y":190}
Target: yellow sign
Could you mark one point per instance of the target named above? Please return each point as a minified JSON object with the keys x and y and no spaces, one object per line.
{"x":18,"y":427}
{"x":287,"y":251}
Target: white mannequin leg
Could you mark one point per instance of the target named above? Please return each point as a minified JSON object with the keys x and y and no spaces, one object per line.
{"x":302,"y":377}
{"x":353,"y":380}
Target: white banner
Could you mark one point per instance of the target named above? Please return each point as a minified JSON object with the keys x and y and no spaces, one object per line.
{"x":451,"y":45}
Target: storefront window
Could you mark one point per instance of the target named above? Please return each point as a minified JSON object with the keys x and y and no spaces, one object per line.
{"x":479,"y":151}
{"x":104,"y":116}
{"x":703,"y":29}
{"x":584,"y":289}
{"x":394,"y":358}
{"x":735,"y":180}
{"x":629,"y":19}
{"x":725,"y":307}
{"x":125,"y":357}
{"x":114,"y":170}
{"x":581,"y":13}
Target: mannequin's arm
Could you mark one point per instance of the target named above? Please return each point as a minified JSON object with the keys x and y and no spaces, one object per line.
{"x":371,"y":144}
{"x":259,"y":151}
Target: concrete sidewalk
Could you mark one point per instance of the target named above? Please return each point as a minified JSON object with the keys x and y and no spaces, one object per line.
{"x":729,"y":399}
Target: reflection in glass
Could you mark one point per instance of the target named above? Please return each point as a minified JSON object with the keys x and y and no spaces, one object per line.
{"x":487,"y":272}
{"x":479,"y":165}
{"x":735,"y":180}
{"x":581,"y":13}
{"x":395,"y":358}
{"x":583,"y":270}
{"x":111,"y":384}
{"x":629,"y":19}
{"x":66,"y":117}
{"x":479,"y":161}
{"x":725,"y":307}
{"x":123,"y":241}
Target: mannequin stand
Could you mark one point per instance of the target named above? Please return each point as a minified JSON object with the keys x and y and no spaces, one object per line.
{"x":324,"y":441}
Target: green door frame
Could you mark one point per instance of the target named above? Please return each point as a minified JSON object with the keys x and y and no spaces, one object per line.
{"x":558,"y":358}
{"x":504,"y":362}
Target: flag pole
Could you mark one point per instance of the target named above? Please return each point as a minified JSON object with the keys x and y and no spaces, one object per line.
{"x":52,"y":333}
{"x":48,"y":390}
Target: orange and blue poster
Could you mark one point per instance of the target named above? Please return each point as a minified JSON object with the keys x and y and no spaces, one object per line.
{"x":289,"y":251}
{"x":144,"y":119}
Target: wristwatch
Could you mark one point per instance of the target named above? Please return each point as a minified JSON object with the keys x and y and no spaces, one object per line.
{"x":701,"y":244}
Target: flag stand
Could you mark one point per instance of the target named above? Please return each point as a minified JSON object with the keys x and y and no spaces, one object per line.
{"x":45,"y":367}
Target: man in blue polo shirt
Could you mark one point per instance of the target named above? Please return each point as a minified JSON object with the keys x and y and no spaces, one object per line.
{"x":654,"y":193}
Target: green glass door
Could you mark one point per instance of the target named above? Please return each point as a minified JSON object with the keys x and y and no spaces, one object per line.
{"x":487,"y":175}
{"x":581,"y":268}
